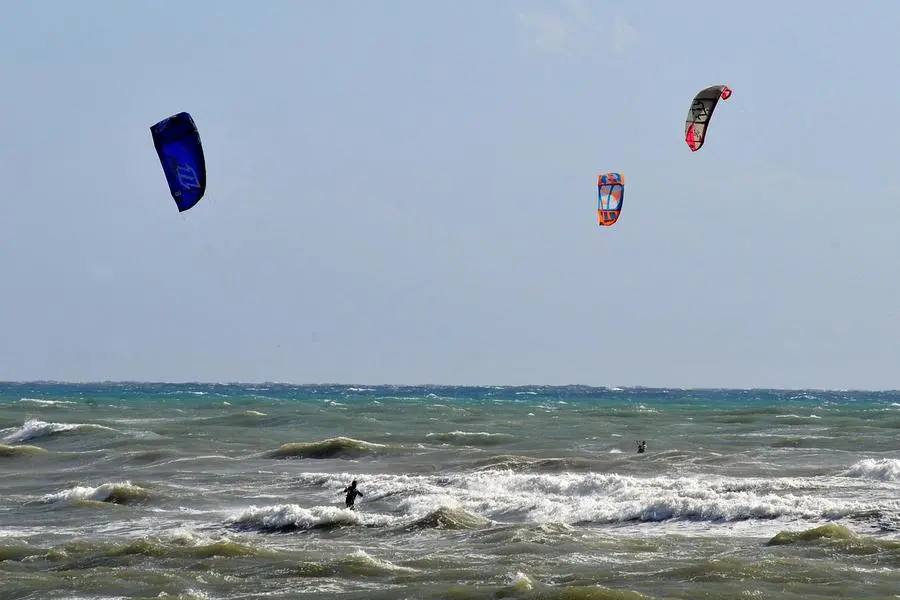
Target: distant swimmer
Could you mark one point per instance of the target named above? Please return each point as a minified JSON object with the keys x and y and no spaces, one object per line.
{"x":352,"y":493}
{"x":641,"y":446}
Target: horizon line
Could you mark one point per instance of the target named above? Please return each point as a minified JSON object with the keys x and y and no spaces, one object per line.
{"x":435,"y":385}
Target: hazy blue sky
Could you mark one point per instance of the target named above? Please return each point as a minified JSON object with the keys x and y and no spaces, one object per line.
{"x":405,"y":192}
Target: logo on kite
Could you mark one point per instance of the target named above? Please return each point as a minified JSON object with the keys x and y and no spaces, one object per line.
{"x":700,"y":112}
{"x":187,"y":177}
{"x":180,"y":152}
{"x":611,"y":191}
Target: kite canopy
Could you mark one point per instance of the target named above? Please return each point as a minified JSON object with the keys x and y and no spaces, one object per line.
{"x":701,"y":112}
{"x":177,"y":143}
{"x":611,"y":189}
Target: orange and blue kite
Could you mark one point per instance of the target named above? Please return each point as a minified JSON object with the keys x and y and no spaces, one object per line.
{"x":611,"y":189}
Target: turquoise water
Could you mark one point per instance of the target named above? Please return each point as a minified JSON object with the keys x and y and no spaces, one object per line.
{"x":233,"y":492}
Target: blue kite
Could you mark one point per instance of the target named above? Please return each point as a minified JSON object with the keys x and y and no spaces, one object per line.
{"x":180,"y":151}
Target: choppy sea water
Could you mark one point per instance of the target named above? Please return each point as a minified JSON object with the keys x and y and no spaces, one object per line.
{"x":233,"y":492}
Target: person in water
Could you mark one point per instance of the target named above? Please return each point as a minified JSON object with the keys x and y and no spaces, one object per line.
{"x":641,"y":446}
{"x":352,"y":493}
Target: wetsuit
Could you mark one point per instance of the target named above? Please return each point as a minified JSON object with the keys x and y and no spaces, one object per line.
{"x":352,"y":493}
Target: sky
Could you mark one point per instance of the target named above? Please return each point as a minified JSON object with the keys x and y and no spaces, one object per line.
{"x":404,"y":192}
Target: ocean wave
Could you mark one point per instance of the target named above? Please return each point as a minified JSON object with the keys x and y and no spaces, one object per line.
{"x":884,"y":469}
{"x":179,"y":545}
{"x":837,"y":538}
{"x":445,"y":517}
{"x":241,"y":418}
{"x":293,"y":517}
{"x":506,"y":496}
{"x":43,"y":402}
{"x":16,"y":551}
{"x":146,"y":457}
{"x":355,"y":564}
{"x":471,"y":438}
{"x":112,"y":493}
{"x":520,"y":585}
{"x":796,"y":417}
{"x":799,"y":441}
{"x":524,"y":464}
{"x":830,"y":531}
{"x":339,"y":447}
{"x":21,"y":451}
{"x":34,"y":429}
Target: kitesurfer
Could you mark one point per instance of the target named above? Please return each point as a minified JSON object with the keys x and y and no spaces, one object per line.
{"x":641,"y":446}
{"x":352,"y":493}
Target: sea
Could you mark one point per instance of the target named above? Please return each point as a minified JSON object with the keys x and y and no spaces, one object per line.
{"x":235,"y":492}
